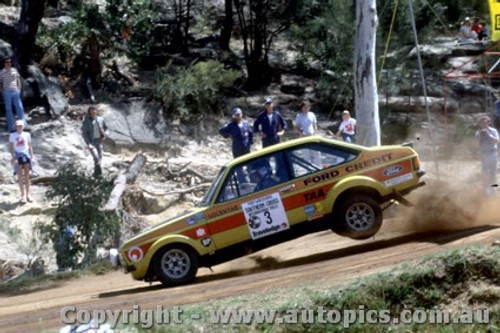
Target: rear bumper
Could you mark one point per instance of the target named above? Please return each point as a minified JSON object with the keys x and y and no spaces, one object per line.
{"x":398,"y":196}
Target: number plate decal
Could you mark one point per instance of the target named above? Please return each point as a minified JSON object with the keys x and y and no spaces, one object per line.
{"x":265,"y":216}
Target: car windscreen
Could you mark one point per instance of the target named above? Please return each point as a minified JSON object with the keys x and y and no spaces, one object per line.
{"x":207,"y":199}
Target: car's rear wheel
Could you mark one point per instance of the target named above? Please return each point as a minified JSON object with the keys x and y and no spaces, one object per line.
{"x":358,"y":217}
{"x":176,"y":265}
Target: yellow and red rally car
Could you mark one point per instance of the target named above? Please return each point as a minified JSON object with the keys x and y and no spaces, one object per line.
{"x":274,"y":195}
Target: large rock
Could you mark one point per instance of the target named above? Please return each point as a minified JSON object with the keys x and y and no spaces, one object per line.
{"x":48,"y":88}
{"x":135,"y":124}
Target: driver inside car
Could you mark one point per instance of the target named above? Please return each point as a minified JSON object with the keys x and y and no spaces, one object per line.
{"x":262,"y":175}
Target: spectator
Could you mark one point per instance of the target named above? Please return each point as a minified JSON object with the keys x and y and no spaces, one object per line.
{"x":94,"y":131}
{"x":466,"y":30}
{"x":240,"y":132}
{"x":64,"y":249}
{"x":347,"y":127}
{"x":487,"y":139}
{"x":272,"y":123}
{"x":22,"y":158}
{"x":478,"y":29}
{"x":305,"y":122}
{"x":11,"y":90}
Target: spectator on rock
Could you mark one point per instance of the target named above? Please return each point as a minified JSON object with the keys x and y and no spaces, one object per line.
{"x":466,"y":31}
{"x":270,"y":124}
{"x":22,"y":158}
{"x":94,"y":131}
{"x":10,"y":86}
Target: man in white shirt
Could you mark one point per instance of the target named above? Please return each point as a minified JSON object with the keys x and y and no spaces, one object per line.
{"x":305,"y":122}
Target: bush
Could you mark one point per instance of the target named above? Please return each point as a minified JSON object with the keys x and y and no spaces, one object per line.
{"x":195,"y":89}
{"x":79,"y":196}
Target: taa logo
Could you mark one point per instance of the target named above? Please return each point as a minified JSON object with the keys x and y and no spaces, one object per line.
{"x":314,"y":195}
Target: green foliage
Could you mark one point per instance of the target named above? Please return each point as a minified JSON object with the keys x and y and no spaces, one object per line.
{"x":326,"y":35}
{"x":70,"y":38}
{"x":195,"y":89}
{"x":79,"y":196}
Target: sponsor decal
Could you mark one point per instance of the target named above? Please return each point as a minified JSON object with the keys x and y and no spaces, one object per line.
{"x":398,"y":180}
{"x":201,"y":232}
{"x":221,"y":212}
{"x":319,"y":178}
{"x":368,"y":163}
{"x":196,"y":218}
{"x":310,"y":209}
{"x":206,"y":241}
{"x":350,"y":168}
{"x":310,"y":196}
{"x":265,"y":216}
{"x":392,"y":170}
{"x":135,"y":254}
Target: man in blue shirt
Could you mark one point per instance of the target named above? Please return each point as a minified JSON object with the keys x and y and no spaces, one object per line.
{"x":270,"y":123}
{"x":240,"y":132}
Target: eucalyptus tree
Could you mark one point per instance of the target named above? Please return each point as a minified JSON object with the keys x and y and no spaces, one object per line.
{"x":365,"y":85}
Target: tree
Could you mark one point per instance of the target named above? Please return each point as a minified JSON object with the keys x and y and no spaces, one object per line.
{"x":27,"y":28}
{"x":365,"y":86}
{"x":227,"y":25}
{"x":260,"y":22}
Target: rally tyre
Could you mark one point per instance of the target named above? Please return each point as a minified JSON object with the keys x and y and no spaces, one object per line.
{"x":176,"y":265}
{"x":358,"y":217}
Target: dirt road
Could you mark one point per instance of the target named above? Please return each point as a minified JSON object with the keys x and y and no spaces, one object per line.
{"x":323,"y":255}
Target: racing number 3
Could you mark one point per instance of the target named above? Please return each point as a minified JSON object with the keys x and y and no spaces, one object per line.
{"x":267,"y":214}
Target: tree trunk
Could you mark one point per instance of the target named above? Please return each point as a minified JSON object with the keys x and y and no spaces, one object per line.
{"x":27,"y":28}
{"x":365,"y":86}
{"x":227,"y":26}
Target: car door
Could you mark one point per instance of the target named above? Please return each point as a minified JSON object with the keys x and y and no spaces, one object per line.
{"x":313,"y":169}
{"x":249,"y":201}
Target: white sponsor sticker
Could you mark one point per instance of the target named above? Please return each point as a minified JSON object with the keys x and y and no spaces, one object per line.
{"x":398,"y":180}
{"x":265,"y":216}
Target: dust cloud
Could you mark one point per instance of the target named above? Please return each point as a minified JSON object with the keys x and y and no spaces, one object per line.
{"x":452,"y":201}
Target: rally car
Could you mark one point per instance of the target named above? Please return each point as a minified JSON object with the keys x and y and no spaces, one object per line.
{"x":274,"y":195}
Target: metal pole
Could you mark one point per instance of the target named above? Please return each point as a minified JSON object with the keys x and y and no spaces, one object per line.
{"x":423,"y":86}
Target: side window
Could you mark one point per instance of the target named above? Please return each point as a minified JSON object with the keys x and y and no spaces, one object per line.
{"x":255,"y":175}
{"x":315,"y":157}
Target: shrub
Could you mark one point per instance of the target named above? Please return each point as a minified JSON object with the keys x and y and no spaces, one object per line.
{"x":195,"y":89}
{"x":79,"y":196}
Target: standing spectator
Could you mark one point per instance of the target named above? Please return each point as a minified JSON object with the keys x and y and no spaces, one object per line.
{"x":11,"y":89}
{"x":347,"y":127}
{"x":305,"y":123}
{"x":94,"y":131}
{"x":240,"y":132}
{"x":22,"y":158}
{"x":487,"y":139}
{"x":272,"y":123}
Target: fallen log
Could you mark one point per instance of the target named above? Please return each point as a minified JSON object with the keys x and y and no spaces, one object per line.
{"x":181,"y":191}
{"x":44,"y":180}
{"x":121,"y":181}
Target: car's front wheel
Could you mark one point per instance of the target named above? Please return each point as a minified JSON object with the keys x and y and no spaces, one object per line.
{"x":176,"y":265}
{"x":358,"y":217}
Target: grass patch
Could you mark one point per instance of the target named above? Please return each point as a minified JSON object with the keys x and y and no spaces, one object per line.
{"x":443,"y":282}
